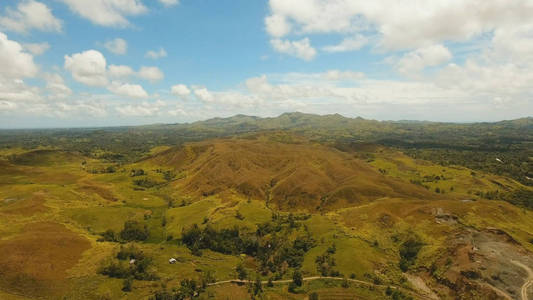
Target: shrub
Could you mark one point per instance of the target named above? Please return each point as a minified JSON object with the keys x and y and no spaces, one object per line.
{"x":126,"y":284}
{"x":134,"y":231}
{"x":297,"y":278}
{"x":408,"y":252}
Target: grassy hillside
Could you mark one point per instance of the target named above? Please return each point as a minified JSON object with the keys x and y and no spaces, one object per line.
{"x":290,"y":175}
{"x":378,"y":221}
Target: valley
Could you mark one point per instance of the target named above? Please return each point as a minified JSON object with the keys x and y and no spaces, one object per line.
{"x":291,"y":212}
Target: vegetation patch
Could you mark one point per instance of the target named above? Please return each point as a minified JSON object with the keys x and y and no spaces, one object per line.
{"x":35,"y":261}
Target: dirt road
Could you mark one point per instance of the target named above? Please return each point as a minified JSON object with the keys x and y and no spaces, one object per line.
{"x":417,"y":295}
{"x":529,"y":281}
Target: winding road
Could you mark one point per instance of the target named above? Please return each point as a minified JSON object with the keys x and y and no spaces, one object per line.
{"x":529,"y":281}
{"x":420,"y":296}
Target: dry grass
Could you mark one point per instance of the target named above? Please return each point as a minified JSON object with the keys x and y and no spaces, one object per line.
{"x":35,"y":262}
{"x":290,"y":175}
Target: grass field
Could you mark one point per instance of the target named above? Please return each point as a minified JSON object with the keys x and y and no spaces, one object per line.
{"x":53,"y":208}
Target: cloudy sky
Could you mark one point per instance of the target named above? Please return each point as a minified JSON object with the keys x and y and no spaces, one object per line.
{"x":124,"y":62}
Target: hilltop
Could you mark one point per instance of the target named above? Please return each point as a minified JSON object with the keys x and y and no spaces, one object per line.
{"x":290,"y":174}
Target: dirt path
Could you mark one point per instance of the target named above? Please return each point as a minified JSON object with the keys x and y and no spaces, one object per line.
{"x":420,"y":296}
{"x":529,"y":281}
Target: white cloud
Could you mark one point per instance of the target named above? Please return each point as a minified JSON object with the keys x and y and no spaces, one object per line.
{"x":150,"y":73}
{"x":88,"y":67}
{"x":7,"y":106}
{"x":203,"y":94}
{"x":56,"y":85}
{"x":144,"y":109}
{"x":14,"y":62}
{"x":343,"y":75}
{"x":117,"y":46}
{"x":169,"y":2}
{"x":36,"y":48}
{"x":107,"y":12}
{"x":153,"y":54}
{"x":17,"y":91}
{"x":29,"y":15}
{"x":301,"y":49}
{"x":415,"y":61}
{"x":400,"y":24}
{"x":120,"y":71}
{"x":277,"y":25}
{"x":128,"y":90}
{"x":348,"y":44}
{"x":180,"y":90}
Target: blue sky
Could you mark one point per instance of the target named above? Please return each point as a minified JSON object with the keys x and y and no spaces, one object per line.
{"x":125,"y":62}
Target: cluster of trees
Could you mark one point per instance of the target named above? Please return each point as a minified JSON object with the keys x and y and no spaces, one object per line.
{"x":514,"y":163}
{"x":326,"y":262}
{"x":268,"y":244}
{"x":129,"y":263}
{"x":519,"y":197}
{"x":227,"y":241}
{"x":145,"y":183}
{"x":409,"y":251}
{"x":396,"y":294}
{"x":132,"y":231}
{"x":137,"y":172}
{"x":188,"y":289}
{"x":108,"y":169}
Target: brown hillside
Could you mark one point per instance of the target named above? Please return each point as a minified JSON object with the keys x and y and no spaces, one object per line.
{"x":290,"y":175}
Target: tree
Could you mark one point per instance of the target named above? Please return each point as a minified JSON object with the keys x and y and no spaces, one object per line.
{"x":297,"y":278}
{"x":109,"y":236}
{"x":126,"y":284}
{"x":270,"y":283}
{"x":241,"y":272}
{"x":345,"y":284}
{"x":313,"y":296}
{"x":258,"y":287}
{"x":134,"y":231}
{"x":408,"y":252}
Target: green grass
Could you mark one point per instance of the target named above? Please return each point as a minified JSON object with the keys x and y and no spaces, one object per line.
{"x":179,"y":218}
{"x":99,"y":219}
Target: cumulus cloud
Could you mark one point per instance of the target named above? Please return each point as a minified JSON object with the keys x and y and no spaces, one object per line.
{"x":107,"y":12}
{"x":120,"y":71}
{"x":415,"y":61}
{"x":180,"y":90}
{"x":88,"y":67}
{"x":301,"y":49}
{"x":128,"y":90}
{"x":56,"y":86}
{"x":203,"y":94}
{"x":36,"y":48}
{"x":169,"y":2}
{"x":153,"y":54}
{"x":117,"y":46}
{"x":348,"y":44}
{"x":144,"y":109}
{"x":277,"y":25}
{"x":14,"y":62}
{"x":428,"y":22}
{"x":29,"y":15}
{"x":150,"y":73}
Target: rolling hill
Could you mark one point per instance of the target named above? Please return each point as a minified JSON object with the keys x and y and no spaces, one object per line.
{"x":297,"y":174}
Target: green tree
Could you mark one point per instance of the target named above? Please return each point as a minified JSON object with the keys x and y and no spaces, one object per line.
{"x":258,"y":287}
{"x":134,"y":231}
{"x":297,"y":278}
{"x":126,"y":284}
{"x":241,"y":272}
